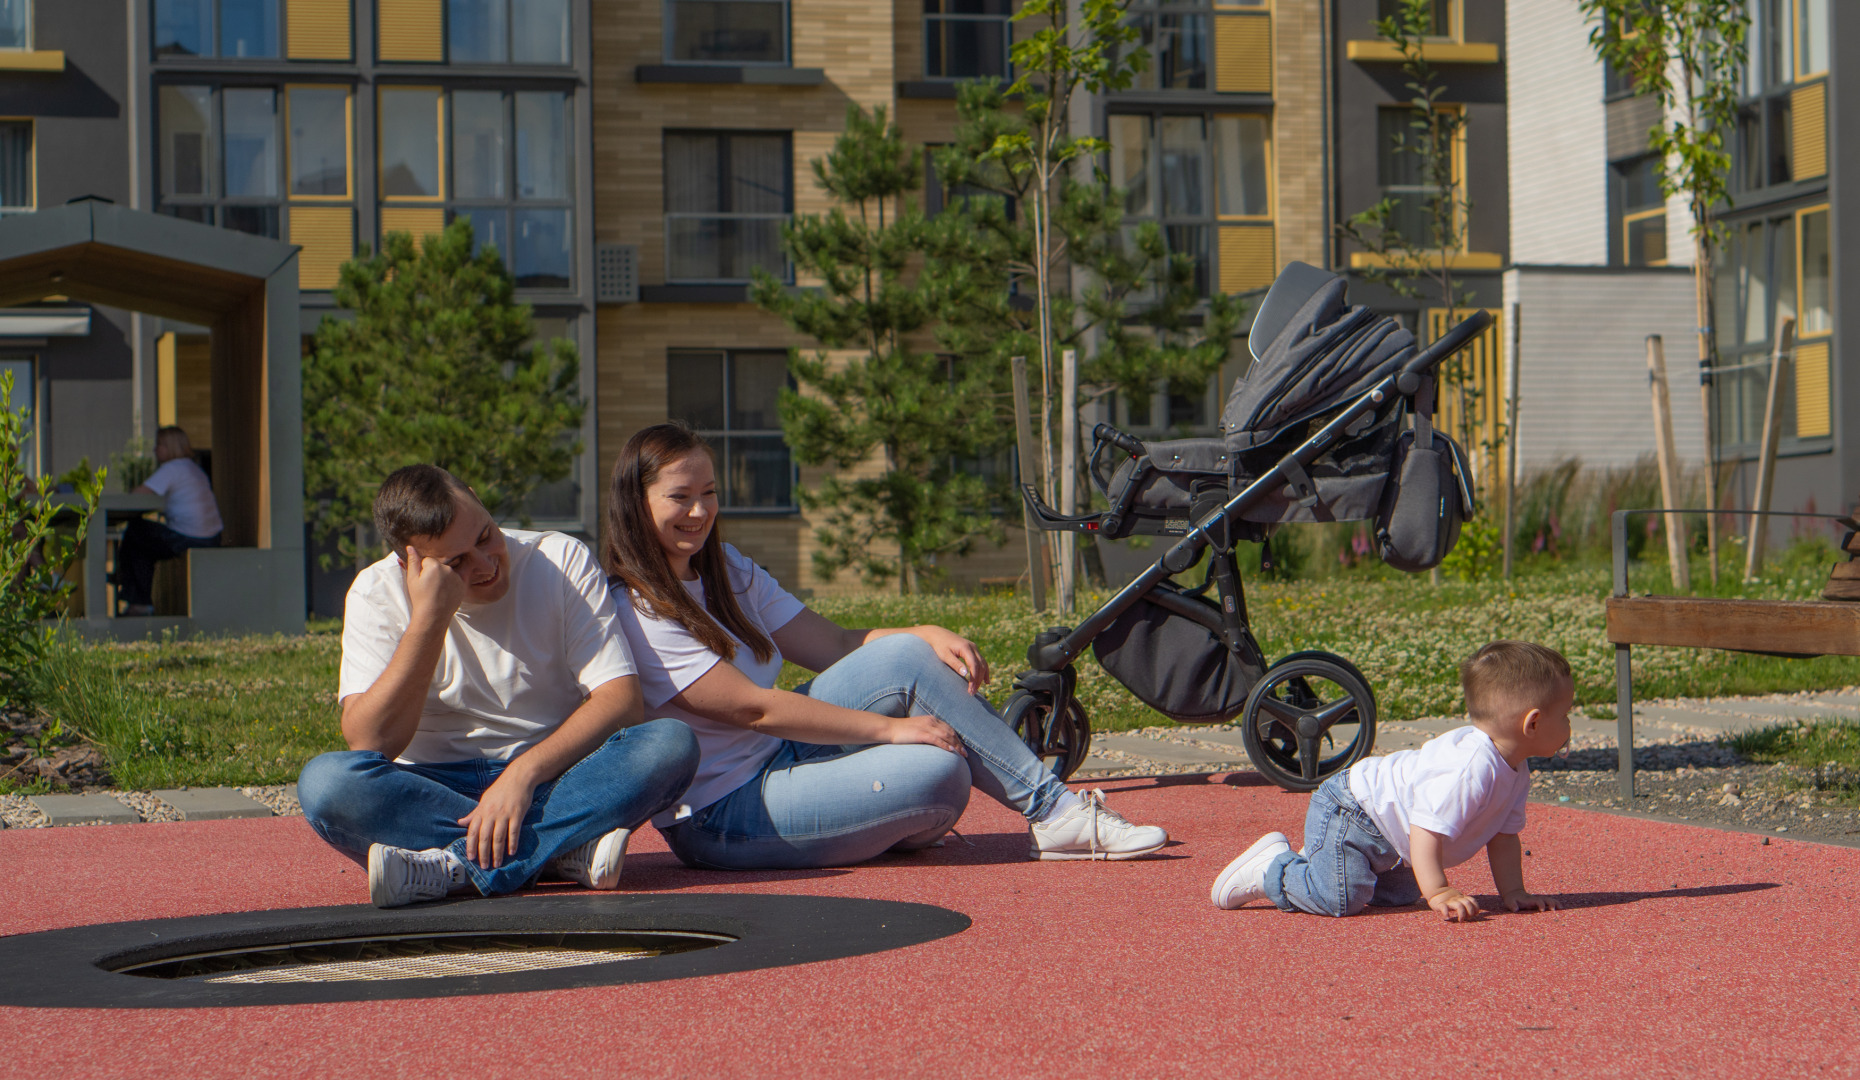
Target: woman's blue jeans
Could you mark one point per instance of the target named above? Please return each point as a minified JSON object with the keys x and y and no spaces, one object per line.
{"x":1347,"y":863}
{"x":354,"y":798}
{"x":838,"y":805}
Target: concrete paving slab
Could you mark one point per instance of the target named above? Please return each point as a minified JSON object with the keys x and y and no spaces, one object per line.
{"x":1168,"y":753}
{"x":1097,"y":766}
{"x":84,"y":810}
{"x":1779,"y":710}
{"x":212,"y":804}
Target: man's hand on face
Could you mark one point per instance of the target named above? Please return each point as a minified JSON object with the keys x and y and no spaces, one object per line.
{"x":434,"y":589}
{"x":491,"y":830}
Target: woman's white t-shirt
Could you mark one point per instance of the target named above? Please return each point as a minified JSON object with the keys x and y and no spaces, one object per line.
{"x":670,"y":659}
{"x":187,"y":497}
{"x":1456,"y":784}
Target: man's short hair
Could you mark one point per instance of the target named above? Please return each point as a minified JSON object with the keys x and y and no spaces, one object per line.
{"x":1511,"y":675}
{"x":418,"y":500}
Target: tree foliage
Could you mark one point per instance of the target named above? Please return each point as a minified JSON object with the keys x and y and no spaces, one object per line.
{"x":37,"y":549}
{"x":435,"y":367}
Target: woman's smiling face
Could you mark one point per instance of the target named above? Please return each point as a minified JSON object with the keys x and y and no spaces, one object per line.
{"x":683,"y":505}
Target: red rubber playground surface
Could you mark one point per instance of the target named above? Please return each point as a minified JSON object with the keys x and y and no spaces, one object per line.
{"x":1684,"y":951}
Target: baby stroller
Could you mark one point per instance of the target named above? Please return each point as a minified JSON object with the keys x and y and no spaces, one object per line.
{"x":1334,"y":422}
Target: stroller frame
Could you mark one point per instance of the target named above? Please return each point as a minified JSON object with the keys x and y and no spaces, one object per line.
{"x":1282,"y":736}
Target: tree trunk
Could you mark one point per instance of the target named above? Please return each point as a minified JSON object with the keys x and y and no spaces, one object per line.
{"x":1068,"y":475}
{"x":1701,"y":278}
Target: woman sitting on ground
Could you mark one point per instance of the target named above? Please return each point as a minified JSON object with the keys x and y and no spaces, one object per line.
{"x":876,"y":754}
{"x":193,"y":521}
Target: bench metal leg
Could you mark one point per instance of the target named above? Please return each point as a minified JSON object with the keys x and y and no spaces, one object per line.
{"x":1624,"y":717}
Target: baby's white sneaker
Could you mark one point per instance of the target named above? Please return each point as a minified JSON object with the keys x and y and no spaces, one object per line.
{"x":1092,"y":830}
{"x":1245,"y":877}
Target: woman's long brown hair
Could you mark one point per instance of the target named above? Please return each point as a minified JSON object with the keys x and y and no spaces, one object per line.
{"x":632,"y":552}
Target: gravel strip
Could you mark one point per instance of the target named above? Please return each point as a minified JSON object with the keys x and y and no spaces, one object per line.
{"x":20,"y":814}
{"x":276,"y":797}
{"x":147,"y":805}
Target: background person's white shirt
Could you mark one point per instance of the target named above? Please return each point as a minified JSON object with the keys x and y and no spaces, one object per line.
{"x":671,"y":659}
{"x":511,"y":671}
{"x":1456,"y":784}
{"x":187,"y":497}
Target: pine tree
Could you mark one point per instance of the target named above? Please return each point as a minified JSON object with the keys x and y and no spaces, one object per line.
{"x":878,"y":294}
{"x":436,"y":367}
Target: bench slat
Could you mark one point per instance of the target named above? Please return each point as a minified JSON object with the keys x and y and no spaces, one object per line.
{"x":1804,"y":628}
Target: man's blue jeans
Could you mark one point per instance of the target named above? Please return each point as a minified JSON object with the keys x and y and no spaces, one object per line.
{"x":354,"y":798}
{"x":838,"y":805}
{"x":1347,"y":863}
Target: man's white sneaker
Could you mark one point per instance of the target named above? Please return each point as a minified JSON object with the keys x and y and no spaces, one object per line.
{"x":398,"y":876}
{"x":1092,"y":830}
{"x":595,"y":864}
{"x":1245,"y":877}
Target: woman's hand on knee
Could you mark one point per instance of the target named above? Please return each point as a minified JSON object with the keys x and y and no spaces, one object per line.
{"x":963,"y":656}
{"x":926,"y":730}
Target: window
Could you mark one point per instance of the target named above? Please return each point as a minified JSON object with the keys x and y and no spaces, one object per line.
{"x":1186,"y":172}
{"x":726,"y":31}
{"x":512,"y":177}
{"x":967,"y":39}
{"x":726,"y":197}
{"x":409,"y":126}
{"x":1769,"y":269}
{"x":218,"y":156}
{"x":1817,"y":305}
{"x":1241,"y":143}
{"x":1399,"y":169}
{"x":1176,"y":37}
{"x":226,"y":28}
{"x":15,"y":24}
{"x":731,"y":398}
{"x":16,"y":172}
{"x":319,"y":142}
{"x":1440,"y":13}
{"x":23,"y":396}
{"x":1811,"y":42}
{"x":507,"y":31}
{"x":1642,"y":212}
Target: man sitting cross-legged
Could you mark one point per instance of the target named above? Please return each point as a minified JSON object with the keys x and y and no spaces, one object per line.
{"x":491,"y":709}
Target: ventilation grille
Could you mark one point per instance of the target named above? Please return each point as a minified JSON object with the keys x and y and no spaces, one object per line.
{"x":616,"y":273}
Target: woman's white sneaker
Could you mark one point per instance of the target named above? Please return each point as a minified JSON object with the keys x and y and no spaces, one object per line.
{"x":1092,"y":830}
{"x":1245,"y":878}
{"x":595,"y":864}
{"x":399,"y":876}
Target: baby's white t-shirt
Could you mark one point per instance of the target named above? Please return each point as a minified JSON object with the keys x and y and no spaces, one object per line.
{"x":671,"y":659}
{"x":1456,"y":784}
{"x":187,"y":498}
{"x":511,"y":670}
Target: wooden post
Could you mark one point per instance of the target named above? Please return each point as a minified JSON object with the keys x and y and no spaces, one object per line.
{"x":1068,"y":475}
{"x":1037,"y":563}
{"x":1780,"y":358}
{"x":1512,"y":368}
{"x":1669,"y":463}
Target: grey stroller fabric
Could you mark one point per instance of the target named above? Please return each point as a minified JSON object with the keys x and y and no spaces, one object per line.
{"x":1170,"y":474}
{"x":1174,"y":665}
{"x":1329,"y":352}
{"x":1422,"y":510}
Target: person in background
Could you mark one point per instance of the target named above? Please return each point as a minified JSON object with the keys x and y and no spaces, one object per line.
{"x":193,"y":521}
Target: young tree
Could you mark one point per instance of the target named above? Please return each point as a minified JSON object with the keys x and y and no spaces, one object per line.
{"x":1039,"y":260}
{"x":877,"y":295}
{"x":435,"y":367}
{"x":1689,"y":56}
{"x":36,"y":549}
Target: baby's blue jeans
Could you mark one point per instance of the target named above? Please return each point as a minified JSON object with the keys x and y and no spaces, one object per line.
{"x":1347,"y":863}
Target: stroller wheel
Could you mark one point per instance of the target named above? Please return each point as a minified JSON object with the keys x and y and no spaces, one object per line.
{"x":1312,"y":715}
{"x":1061,"y":745}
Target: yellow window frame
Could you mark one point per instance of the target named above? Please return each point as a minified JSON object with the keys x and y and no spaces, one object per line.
{"x":439,"y":137}
{"x":348,"y":143}
{"x":32,"y":158}
{"x":1798,"y":16}
{"x":1801,"y":292}
{"x":1628,"y":221}
{"x":1272,"y":185}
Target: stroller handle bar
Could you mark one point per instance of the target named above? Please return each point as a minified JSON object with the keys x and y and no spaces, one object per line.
{"x":1446,"y":345}
{"x":1130,"y":444}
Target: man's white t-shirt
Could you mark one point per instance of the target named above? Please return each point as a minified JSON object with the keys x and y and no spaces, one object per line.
{"x":1456,"y":784}
{"x":670,"y":659}
{"x":511,"y":670}
{"x":187,"y":497}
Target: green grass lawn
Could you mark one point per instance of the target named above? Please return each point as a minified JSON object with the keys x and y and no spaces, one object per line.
{"x":252,"y":710}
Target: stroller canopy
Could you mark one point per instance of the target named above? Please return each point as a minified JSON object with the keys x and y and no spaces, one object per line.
{"x":1311,"y":351}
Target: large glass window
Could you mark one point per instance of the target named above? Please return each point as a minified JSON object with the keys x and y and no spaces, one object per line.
{"x":731,"y":397}
{"x":218,"y":156}
{"x":967,"y":39}
{"x":227,"y":28}
{"x":726,"y":31}
{"x":507,"y":31}
{"x":410,"y":143}
{"x":1404,"y":180}
{"x":1817,"y":266}
{"x":726,"y":197}
{"x":513,"y":179}
{"x":1175,"y":33}
{"x":16,"y":171}
{"x":1641,"y":213}
{"x":1440,"y":15}
{"x":1811,"y":54}
{"x":319,"y":141}
{"x":1770,"y":269}
{"x":15,"y":24}
{"x":1184,"y":172}
{"x":23,"y":395}
{"x":1242,"y":142}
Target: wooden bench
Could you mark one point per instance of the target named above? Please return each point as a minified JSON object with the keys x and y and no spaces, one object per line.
{"x":1770,"y":627}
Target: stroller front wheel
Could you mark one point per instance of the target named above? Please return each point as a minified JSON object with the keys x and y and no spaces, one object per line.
{"x":1306,"y":704}
{"x":1061,"y":744}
